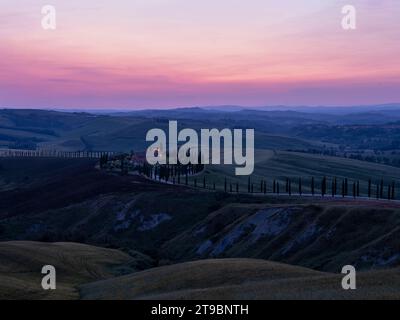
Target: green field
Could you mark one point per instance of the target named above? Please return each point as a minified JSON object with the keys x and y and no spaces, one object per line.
{"x":279,"y":165}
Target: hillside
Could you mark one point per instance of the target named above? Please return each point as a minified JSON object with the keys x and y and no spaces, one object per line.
{"x":175,"y":224}
{"x":280,"y":165}
{"x":241,"y":279}
{"x":88,"y":272}
{"x":323,"y":236}
{"x":21,"y":264}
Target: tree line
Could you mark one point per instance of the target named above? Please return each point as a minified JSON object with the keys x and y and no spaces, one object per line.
{"x":334,"y":187}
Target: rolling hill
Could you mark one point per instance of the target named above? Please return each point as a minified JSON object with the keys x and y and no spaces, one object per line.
{"x":280,"y":165}
{"x":88,"y":272}
{"x":230,"y":279}
{"x":175,"y":224}
{"x":21,"y":264}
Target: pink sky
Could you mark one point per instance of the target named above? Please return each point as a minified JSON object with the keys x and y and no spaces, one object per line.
{"x":172,"y":53}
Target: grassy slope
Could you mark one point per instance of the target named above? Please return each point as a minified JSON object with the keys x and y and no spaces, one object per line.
{"x":281,"y":164}
{"x":323,"y":236}
{"x":241,"y":279}
{"x":23,"y":172}
{"x":89,"y":272}
{"x":21,"y":264}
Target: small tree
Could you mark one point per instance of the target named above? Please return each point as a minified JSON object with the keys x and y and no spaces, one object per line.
{"x":343,"y":189}
{"x":323,"y":186}
{"x":312,"y":186}
{"x":377,"y":191}
{"x":369,"y":187}
{"x":393,"y":188}
{"x":300,"y":187}
{"x":335,"y":187}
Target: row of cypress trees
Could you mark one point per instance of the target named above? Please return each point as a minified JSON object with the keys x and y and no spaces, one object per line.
{"x":178,"y":174}
{"x":343,"y":188}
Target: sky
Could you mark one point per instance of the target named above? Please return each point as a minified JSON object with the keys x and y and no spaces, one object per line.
{"x":135,"y":54}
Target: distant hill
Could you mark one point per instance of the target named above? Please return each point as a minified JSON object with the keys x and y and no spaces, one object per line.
{"x":281,"y":129}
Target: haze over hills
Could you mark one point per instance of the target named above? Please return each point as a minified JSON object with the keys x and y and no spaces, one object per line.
{"x":282,"y":130}
{"x":344,"y":109}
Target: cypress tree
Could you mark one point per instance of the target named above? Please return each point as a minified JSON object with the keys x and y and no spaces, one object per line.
{"x":381,"y":189}
{"x":265,"y":187}
{"x":274,"y":186}
{"x":323,"y":186}
{"x":354,"y":190}
{"x":300,"y":187}
{"x":277,"y":188}
{"x":312,"y":186}
{"x":343,"y":189}
{"x":369,"y":187}
{"x":335,"y":186}
{"x":393,"y":187}
{"x":167,"y":171}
